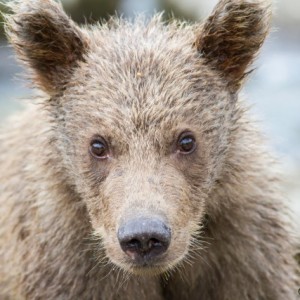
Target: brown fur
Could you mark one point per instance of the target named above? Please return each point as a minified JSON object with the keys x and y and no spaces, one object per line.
{"x":139,"y":86}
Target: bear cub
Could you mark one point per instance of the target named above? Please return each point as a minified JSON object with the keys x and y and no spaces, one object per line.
{"x":138,"y":173}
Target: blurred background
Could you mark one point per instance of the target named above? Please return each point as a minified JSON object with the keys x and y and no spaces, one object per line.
{"x":273,"y":89}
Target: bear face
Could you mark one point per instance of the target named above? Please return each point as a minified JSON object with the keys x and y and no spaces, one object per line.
{"x":154,"y":106}
{"x":132,"y":108}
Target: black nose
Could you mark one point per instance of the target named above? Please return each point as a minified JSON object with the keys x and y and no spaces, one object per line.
{"x":144,"y":239}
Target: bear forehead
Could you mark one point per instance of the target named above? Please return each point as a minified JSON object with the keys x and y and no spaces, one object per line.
{"x":133,"y":73}
{"x":153,"y":56}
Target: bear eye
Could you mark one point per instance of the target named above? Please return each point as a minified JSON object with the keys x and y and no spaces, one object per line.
{"x":186,"y":143}
{"x":99,"y":148}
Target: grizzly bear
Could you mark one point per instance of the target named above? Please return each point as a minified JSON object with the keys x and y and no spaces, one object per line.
{"x":138,"y":173}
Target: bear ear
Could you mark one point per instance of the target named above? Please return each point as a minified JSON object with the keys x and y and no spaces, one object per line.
{"x":46,"y":40}
{"x":231,"y":37}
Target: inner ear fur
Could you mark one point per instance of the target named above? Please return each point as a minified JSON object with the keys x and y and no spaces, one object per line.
{"x":46,"y":40}
{"x":231,"y":37}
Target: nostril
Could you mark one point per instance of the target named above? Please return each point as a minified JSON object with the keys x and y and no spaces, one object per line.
{"x":154,"y":243}
{"x":134,"y":244}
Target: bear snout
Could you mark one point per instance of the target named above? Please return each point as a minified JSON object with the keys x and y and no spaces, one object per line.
{"x":144,"y":240}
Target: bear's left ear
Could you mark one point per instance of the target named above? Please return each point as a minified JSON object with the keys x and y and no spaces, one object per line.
{"x":231,"y":37}
{"x":46,"y":40}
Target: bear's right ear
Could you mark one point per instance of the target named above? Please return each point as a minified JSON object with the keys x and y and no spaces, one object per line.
{"x":46,"y":40}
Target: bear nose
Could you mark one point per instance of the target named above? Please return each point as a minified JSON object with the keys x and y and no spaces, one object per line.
{"x":144,"y":239}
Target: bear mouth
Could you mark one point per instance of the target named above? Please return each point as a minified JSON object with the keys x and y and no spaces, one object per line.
{"x":152,"y":267}
{"x":148,"y":269}
{"x":146,"y":264}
